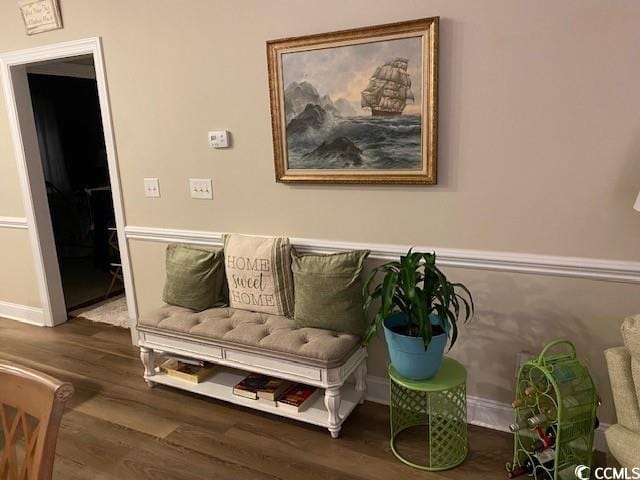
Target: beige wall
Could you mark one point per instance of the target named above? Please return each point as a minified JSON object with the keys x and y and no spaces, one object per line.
{"x":10,"y":196}
{"x":539,"y":134}
{"x":17,"y":275}
{"x":539,"y":146}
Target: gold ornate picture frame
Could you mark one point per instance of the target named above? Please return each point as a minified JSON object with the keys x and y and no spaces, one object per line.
{"x":356,"y":106}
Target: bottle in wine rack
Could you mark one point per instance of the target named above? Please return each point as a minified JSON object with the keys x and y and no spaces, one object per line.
{"x":547,"y":439}
{"x":535,"y":387}
{"x":520,"y":470}
{"x":545,"y":459}
{"x":531,"y":422}
{"x":547,"y":406}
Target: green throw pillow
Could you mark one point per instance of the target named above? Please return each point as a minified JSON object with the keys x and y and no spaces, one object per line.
{"x":195,"y":277}
{"x":328,"y":290}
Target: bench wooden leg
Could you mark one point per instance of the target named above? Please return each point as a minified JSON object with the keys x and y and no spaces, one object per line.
{"x":148,"y":360}
{"x":361,"y":379}
{"x":332,"y":402}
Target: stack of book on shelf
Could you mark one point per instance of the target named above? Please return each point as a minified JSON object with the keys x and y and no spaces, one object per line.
{"x":294,"y":397}
{"x":188,"y":369}
{"x":298,"y":397}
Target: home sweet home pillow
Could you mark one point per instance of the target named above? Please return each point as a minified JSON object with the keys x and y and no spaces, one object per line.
{"x":259,"y":274}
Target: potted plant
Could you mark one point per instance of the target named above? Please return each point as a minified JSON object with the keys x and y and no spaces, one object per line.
{"x":419,"y":310}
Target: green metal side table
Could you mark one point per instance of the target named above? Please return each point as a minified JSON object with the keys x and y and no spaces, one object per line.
{"x":439,"y":404}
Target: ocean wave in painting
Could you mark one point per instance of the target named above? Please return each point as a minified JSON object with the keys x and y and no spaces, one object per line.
{"x":360,"y":142}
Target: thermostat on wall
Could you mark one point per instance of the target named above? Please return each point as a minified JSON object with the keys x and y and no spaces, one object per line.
{"x":219,"y":139}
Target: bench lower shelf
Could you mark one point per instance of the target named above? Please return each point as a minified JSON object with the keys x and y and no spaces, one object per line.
{"x":220,"y":386}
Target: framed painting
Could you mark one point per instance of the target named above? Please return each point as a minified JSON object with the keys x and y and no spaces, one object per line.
{"x":40,"y":15}
{"x":356,"y":106}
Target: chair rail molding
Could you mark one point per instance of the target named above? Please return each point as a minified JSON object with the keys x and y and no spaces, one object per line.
{"x":548,"y":265}
{"x":14,"y":222}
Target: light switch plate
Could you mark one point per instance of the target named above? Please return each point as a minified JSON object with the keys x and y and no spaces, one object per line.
{"x":151,"y":187}
{"x":200,"y":188}
{"x":219,"y":139}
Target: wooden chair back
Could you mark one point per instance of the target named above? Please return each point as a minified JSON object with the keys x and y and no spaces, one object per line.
{"x":31,"y":406}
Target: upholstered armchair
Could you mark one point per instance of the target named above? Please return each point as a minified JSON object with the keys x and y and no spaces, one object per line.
{"x":623,"y":438}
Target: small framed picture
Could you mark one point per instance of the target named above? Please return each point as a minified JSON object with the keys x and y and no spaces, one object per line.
{"x":356,"y":106}
{"x":40,"y":15}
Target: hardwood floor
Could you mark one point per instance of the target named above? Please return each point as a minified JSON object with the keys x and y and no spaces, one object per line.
{"x":117,"y":428}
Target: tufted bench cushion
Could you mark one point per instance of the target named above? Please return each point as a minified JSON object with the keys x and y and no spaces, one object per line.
{"x":264,"y":332}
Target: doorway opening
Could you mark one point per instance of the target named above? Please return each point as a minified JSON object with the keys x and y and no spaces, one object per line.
{"x":60,"y":121}
{"x":66,"y":109}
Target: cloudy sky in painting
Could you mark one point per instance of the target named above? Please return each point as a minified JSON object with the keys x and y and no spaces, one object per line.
{"x":345,"y":71}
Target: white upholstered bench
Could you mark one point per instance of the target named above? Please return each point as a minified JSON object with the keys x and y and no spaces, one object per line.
{"x":241,"y":341}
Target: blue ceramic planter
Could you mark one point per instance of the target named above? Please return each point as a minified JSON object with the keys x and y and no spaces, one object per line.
{"x":408,"y":355}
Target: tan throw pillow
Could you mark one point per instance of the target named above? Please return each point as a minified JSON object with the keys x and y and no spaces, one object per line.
{"x":259,"y":273}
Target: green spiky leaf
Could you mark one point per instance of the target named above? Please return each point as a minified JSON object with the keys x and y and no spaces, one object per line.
{"x":416,"y":286}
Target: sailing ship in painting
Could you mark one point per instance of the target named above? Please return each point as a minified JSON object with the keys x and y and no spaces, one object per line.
{"x":389,"y":89}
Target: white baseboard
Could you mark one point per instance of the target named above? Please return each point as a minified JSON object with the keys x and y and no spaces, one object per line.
{"x":480,"y":411}
{"x":378,"y":389}
{"x":22,"y":313}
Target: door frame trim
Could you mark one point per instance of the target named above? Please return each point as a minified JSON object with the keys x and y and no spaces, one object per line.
{"x":22,"y":127}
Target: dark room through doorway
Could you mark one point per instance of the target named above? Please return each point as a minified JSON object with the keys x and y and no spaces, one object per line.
{"x":70,"y":134}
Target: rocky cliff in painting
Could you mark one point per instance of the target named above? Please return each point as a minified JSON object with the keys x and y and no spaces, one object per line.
{"x":313,"y":117}
{"x":338,"y":153}
{"x":344,"y":108}
{"x":298,"y":95}
{"x":327,"y":104}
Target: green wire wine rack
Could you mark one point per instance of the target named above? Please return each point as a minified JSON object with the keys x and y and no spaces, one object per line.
{"x":564,"y":392}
